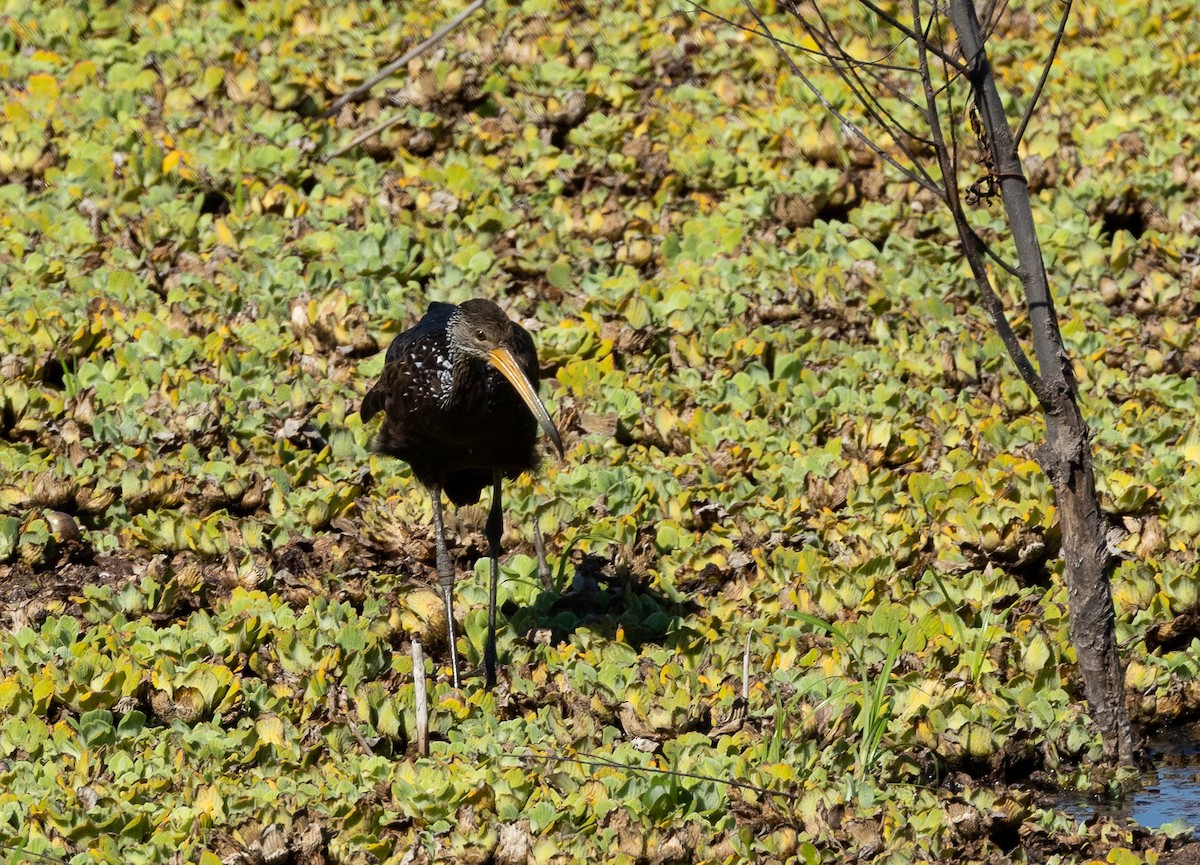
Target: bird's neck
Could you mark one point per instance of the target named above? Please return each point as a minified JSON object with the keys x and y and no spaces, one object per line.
{"x":463,"y":368}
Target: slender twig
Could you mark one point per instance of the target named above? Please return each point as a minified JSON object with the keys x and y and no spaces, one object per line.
{"x":365,"y":136}
{"x":991,"y":300}
{"x":816,"y":53}
{"x":421,"y":697}
{"x":892,"y":21}
{"x":1037,"y":93}
{"x":352,"y":720}
{"x":947,"y":79}
{"x":746,"y":668}
{"x":414,"y":52}
{"x":988,"y":14}
{"x":949,"y":186}
{"x":539,"y":544}
{"x":594,"y":760}
{"x":1012,"y":270}
{"x":935,"y":50}
{"x":995,"y":11}
{"x":995,"y":307}
{"x":846,"y":68}
{"x":845,"y":121}
{"x":22,"y":853}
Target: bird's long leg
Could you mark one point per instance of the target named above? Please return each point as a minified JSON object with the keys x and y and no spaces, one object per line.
{"x":495,"y":530}
{"x":445,"y":577}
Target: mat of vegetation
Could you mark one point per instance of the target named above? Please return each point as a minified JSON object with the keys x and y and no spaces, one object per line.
{"x":792,"y":442}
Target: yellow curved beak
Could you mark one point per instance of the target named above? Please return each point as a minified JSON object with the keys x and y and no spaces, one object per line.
{"x":502,"y":359}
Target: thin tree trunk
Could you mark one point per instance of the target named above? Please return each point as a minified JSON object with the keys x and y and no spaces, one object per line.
{"x":1066,"y":457}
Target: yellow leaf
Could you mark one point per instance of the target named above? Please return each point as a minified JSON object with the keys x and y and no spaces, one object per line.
{"x":83,"y":73}
{"x":303,"y":25}
{"x":224,"y":235}
{"x":726,"y":90}
{"x":1191,"y":449}
{"x":43,"y":86}
{"x":270,"y":729}
{"x":213,"y":76}
{"x":242,"y":86}
{"x":208,"y":801}
{"x":1037,"y":655}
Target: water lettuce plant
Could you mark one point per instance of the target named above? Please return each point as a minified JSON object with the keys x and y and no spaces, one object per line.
{"x":784,"y":414}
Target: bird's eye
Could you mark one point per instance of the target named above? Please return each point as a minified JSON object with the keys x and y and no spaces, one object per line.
{"x":480,"y":335}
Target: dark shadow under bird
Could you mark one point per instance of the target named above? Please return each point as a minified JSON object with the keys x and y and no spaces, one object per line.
{"x":458,"y":393}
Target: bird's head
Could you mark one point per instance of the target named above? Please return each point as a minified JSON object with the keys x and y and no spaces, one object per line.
{"x":480,"y":329}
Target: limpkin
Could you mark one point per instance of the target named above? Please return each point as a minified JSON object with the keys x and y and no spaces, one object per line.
{"x":459,"y":397}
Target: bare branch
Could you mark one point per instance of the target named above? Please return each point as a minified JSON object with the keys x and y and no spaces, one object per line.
{"x":846,"y":68}
{"x":23,"y":853}
{"x":994,"y":256}
{"x":365,"y":136}
{"x":416,"y":51}
{"x":990,"y":15}
{"x":746,"y":667}
{"x":846,"y":123}
{"x":593,"y":760}
{"x":991,"y":300}
{"x":995,"y":308}
{"x":948,"y":79}
{"x":421,"y":697}
{"x":844,"y":65}
{"x":935,"y":50}
{"x":816,"y":53}
{"x":949,"y":178}
{"x":1037,"y":93}
{"x":1014,"y":189}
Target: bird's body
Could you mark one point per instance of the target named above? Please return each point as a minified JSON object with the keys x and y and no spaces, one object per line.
{"x":454,"y":428}
{"x":459,"y":397}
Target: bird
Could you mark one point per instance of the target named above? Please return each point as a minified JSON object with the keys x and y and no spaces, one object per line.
{"x":460,"y":405}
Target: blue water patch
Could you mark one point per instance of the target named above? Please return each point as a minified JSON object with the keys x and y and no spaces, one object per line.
{"x":1170,"y":792}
